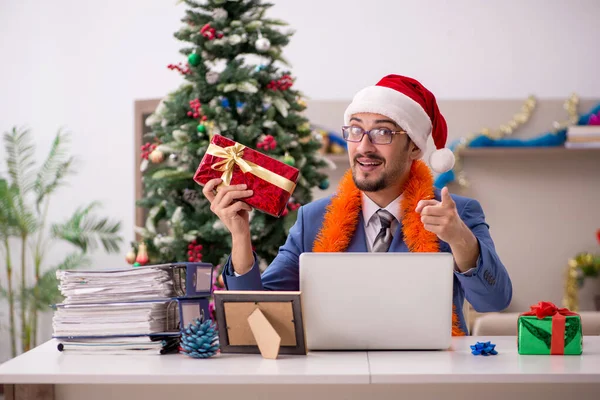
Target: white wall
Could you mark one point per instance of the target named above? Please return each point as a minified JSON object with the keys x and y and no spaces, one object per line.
{"x":81,"y":64}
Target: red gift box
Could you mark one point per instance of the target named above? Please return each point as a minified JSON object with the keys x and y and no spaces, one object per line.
{"x":272,"y":181}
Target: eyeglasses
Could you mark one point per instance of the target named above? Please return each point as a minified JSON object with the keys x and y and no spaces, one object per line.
{"x":376,"y":136}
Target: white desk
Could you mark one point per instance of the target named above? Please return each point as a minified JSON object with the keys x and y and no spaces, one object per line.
{"x":348,"y":375}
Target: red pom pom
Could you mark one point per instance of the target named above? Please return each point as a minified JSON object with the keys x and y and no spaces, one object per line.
{"x":204,"y":118}
{"x":191,"y":259}
{"x":190,"y":253}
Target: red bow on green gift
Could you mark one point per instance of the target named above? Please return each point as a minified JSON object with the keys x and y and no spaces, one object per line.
{"x":545,"y":309}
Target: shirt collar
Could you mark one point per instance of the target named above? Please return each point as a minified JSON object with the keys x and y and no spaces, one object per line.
{"x":369,"y":208}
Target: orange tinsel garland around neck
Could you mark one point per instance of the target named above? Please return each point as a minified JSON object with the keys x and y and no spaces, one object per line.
{"x":342,"y":216}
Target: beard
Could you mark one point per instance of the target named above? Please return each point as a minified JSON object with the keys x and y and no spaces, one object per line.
{"x":382,"y":181}
{"x":370,"y":186}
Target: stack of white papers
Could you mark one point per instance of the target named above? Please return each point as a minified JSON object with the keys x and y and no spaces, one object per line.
{"x":115,"y":319}
{"x":116,"y":285}
{"x":120,"y":345}
{"x":121,"y":311}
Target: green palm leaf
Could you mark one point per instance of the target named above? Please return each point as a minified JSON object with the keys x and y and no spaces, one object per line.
{"x":53,"y":171}
{"x":85,"y":230}
{"x":20,"y":160}
{"x":8,"y":218}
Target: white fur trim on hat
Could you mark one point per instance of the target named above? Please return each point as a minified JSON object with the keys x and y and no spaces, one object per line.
{"x":403,"y":110}
{"x":442,"y":160}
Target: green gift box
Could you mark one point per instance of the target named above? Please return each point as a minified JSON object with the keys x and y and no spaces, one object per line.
{"x":548,"y":330}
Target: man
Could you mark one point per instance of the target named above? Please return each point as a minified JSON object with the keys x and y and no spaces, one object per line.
{"x":386,"y":202}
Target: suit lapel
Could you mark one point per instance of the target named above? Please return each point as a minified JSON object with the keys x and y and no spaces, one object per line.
{"x":398,"y":245}
{"x":358,"y":244}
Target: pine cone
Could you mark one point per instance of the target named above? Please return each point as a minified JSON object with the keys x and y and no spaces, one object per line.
{"x":200,"y":339}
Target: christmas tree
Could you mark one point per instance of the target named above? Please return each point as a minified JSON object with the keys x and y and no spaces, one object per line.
{"x":236,"y":85}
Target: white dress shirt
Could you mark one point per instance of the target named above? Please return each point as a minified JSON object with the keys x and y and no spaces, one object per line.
{"x":372,"y":221}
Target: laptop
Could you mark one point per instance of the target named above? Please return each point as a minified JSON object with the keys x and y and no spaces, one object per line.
{"x":377,"y":301}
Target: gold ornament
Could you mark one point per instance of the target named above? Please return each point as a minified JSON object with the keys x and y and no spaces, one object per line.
{"x":156,"y":156}
{"x":504,"y":130}
{"x":301,"y":102}
{"x":130,"y":257}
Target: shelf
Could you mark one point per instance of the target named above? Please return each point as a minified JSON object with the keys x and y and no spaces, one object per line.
{"x":510,"y":151}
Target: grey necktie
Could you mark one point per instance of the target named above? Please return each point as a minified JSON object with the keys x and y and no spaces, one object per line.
{"x":384,"y":237}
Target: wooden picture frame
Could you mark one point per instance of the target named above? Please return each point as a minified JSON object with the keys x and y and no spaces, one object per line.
{"x":142,"y":110}
{"x":282,"y":311}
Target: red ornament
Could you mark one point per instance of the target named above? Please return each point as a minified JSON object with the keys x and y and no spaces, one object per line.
{"x":194,"y":252}
{"x":185,"y":70}
{"x":195,"y":106}
{"x":267,"y":143}
{"x":283,"y":83}
{"x":147,"y":149}
{"x":208,"y":32}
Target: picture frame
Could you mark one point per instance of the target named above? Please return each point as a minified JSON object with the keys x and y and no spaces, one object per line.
{"x":279,"y":330}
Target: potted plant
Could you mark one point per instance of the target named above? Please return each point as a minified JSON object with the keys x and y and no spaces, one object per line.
{"x":26,"y":234}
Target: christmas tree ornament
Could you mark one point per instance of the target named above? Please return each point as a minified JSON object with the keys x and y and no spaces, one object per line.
{"x":208,"y":32}
{"x":194,"y":59}
{"x":259,"y":68}
{"x":194,"y":251}
{"x":147,"y":149}
{"x":201,"y":128}
{"x":130,"y":257}
{"x":184,"y":70}
{"x":289,"y":160}
{"x":212,"y":77}
{"x":142,"y":256}
{"x":324,"y":184}
{"x":266,"y":142}
{"x":156,"y":157}
{"x":262,"y":44}
{"x":200,"y":339}
{"x":136,"y":264}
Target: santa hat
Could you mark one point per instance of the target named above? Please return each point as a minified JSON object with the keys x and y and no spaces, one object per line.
{"x":413,"y":108}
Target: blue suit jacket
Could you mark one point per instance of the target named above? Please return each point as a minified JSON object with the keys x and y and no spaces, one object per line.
{"x":487,"y":287}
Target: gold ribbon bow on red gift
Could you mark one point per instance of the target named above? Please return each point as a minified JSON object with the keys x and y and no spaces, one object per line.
{"x":233,"y":155}
{"x":545,"y":309}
